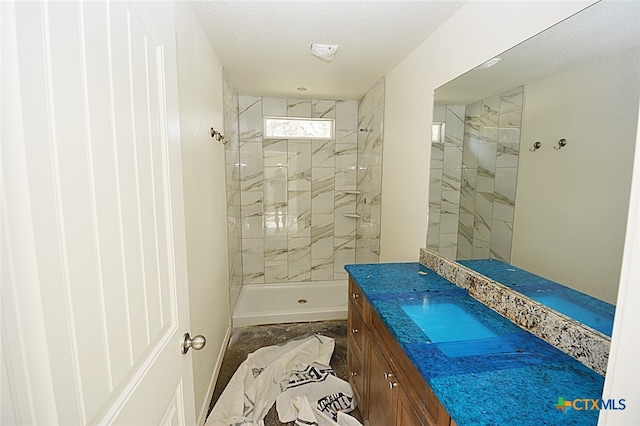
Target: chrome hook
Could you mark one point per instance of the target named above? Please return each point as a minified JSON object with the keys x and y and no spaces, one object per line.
{"x":218,"y":136}
{"x":561,"y":144}
{"x":536,"y":146}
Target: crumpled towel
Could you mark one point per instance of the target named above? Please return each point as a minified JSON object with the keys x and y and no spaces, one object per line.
{"x":270,"y":371}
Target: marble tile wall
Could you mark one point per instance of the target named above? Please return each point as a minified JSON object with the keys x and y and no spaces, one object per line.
{"x":445,"y":181}
{"x":473,"y":178}
{"x":232,"y":164}
{"x":369,"y":174}
{"x":293,"y":195}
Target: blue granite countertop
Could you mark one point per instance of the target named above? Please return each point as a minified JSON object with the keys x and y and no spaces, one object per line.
{"x":590,"y":311}
{"x":512,"y":377}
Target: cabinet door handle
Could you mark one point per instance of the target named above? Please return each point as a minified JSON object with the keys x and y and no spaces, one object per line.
{"x":355,"y":295}
{"x":393,"y":385}
{"x":355,"y":330}
{"x":354,"y":373}
{"x":387,"y":376}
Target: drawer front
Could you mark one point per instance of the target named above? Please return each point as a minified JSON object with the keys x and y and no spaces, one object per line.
{"x":356,"y":376}
{"x":356,"y":296}
{"x":356,"y":330}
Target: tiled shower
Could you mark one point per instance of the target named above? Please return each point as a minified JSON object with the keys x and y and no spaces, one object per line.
{"x":300,"y":209}
{"x":474,"y":168}
{"x":232,"y":174}
{"x":369,"y":183}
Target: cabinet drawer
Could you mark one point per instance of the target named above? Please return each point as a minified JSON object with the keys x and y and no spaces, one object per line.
{"x":356,"y":376}
{"x":356,"y":330}
{"x":356,"y":296}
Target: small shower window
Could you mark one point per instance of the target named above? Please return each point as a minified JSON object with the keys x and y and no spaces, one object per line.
{"x":298,"y":128}
{"x":437,"y":132}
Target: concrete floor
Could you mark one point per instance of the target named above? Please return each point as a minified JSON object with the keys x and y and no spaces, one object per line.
{"x":246,"y":340}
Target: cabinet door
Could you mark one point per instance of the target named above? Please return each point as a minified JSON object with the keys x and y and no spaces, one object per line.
{"x":406,"y":414}
{"x":381,"y":388}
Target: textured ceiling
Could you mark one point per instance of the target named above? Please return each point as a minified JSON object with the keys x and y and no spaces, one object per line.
{"x":264,"y":45}
{"x":603,"y":29}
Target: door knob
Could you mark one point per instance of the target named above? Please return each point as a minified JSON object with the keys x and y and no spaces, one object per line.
{"x":197,"y":342}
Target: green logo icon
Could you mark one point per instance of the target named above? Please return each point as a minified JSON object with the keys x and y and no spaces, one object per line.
{"x":562,"y":404}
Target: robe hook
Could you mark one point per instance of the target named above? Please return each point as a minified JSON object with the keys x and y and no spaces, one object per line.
{"x":218,"y":136}
{"x":536,"y":146}
{"x":561,"y":144}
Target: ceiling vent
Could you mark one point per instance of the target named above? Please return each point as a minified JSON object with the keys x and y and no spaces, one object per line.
{"x":326,"y":52}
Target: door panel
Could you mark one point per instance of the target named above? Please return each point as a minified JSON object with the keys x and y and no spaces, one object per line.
{"x":382,"y":412}
{"x":98,"y":96}
{"x":109,"y":221}
{"x":406,"y":414}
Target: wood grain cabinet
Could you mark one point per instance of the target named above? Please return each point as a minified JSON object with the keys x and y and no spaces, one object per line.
{"x":356,"y":343}
{"x":388,"y":388}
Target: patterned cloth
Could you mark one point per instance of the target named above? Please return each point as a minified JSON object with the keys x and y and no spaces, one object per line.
{"x":296,"y":376}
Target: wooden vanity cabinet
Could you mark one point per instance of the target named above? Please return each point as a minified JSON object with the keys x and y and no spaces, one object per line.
{"x":379,"y":390}
{"x":356,"y":343}
{"x":406,"y":415}
{"x":388,"y":388}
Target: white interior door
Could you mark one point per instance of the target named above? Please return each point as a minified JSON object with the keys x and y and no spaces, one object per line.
{"x":94,"y":282}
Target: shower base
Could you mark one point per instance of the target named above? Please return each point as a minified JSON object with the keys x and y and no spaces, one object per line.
{"x":291,"y":302}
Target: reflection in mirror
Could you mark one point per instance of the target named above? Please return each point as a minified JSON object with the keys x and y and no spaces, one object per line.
{"x":588,"y":310}
{"x":556,"y":213}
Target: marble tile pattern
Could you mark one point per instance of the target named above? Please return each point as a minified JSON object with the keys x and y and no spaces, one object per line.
{"x":473,"y":178}
{"x":584,"y":344}
{"x":369,"y":174}
{"x":446,"y":180}
{"x":232,"y":164}
{"x":292,"y":197}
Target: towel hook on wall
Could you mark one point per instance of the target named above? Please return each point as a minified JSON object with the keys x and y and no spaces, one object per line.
{"x":218,"y":136}
{"x":536,"y":146}
{"x":561,"y":143}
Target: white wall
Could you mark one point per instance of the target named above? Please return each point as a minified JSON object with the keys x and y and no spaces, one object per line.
{"x":572,"y":203}
{"x":477,"y":32}
{"x":201,"y":107}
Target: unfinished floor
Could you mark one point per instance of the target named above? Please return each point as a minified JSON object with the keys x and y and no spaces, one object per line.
{"x":248,"y":339}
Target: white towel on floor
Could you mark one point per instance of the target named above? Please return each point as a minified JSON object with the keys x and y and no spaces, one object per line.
{"x":265,"y":375}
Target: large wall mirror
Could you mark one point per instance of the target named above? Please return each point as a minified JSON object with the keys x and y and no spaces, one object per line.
{"x":532,"y":152}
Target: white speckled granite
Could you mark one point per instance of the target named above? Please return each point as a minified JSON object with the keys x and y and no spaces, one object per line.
{"x":583,"y":343}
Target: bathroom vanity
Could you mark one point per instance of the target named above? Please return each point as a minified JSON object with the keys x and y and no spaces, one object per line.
{"x":388,"y":388}
{"x":421,"y":351}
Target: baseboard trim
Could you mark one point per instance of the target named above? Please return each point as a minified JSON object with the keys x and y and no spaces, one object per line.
{"x":202,"y":417}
